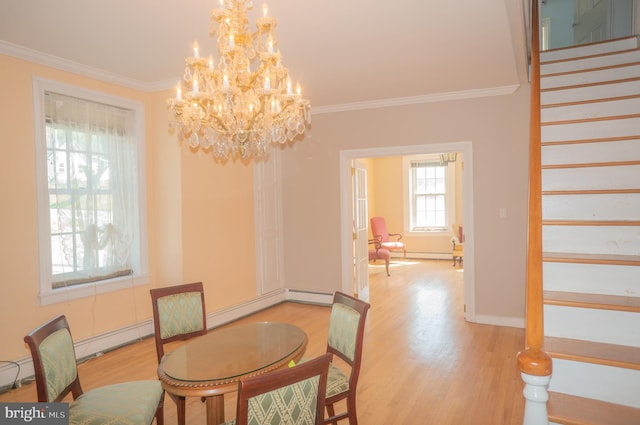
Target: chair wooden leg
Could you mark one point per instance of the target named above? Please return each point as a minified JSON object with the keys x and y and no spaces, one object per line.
{"x":351,"y":407}
{"x":160,"y":411}
{"x":181,"y":404}
{"x":331,"y":412}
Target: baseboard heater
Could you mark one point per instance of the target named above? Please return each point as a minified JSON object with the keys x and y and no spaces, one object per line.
{"x":309,"y":297}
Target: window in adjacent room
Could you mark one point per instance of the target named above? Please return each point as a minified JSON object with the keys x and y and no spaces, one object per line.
{"x":91,"y":206}
{"x":431,"y":183}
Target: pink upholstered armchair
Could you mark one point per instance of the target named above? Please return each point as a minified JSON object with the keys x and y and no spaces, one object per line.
{"x":378,"y":253}
{"x":384,"y":238}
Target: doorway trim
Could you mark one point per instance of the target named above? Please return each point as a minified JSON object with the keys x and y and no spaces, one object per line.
{"x":347,"y":156}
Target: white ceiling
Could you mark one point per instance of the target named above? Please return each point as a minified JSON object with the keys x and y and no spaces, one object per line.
{"x":341,"y":51}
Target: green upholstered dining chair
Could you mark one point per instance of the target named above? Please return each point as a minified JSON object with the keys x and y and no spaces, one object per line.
{"x":346,"y":334}
{"x":290,"y":396}
{"x":55,"y":366}
{"x":178,"y":314}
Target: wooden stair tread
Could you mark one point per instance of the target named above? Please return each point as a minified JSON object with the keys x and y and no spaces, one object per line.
{"x":591,"y":164}
{"x":571,"y":410}
{"x":593,"y":352}
{"x":598,"y":301}
{"x":572,"y":257}
{"x":594,"y":84}
{"x":589,"y":101}
{"x":591,"y":192}
{"x":591,"y":222}
{"x":588,"y":120}
{"x":587,"y":70}
{"x":581,"y":57}
{"x":595,"y":140}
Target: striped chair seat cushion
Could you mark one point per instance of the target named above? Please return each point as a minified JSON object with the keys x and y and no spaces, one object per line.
{"x":337,"y":381}
{"x":129,"y":403}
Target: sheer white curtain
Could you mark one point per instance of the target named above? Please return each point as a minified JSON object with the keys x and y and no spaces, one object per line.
{"x":92,"y":174}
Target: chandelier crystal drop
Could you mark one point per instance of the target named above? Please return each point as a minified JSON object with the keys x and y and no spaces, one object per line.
{"x":243,"y":102}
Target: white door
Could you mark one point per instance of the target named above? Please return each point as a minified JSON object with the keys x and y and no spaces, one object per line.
{"x":360,"y":230}
{"x":268,"y":224}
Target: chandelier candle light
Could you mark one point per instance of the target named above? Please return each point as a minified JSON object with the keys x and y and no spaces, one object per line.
{"x":245,"y":102}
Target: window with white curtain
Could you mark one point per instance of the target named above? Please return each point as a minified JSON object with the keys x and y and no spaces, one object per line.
{"x":91,"y":209}
{"x":430,"y":192}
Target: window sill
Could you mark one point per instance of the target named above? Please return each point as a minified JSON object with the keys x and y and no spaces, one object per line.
{"x":75,"y":292}
{"x":429,"y":233}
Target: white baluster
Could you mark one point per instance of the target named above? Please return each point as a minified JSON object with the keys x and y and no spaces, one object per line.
{"x":536,"y":397}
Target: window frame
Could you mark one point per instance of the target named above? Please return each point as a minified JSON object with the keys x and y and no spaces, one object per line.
{"x":139,"y":250}
{"x":450,"y":201}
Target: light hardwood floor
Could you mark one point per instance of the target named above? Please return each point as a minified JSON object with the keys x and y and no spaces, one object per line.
{"x":423,"y":364}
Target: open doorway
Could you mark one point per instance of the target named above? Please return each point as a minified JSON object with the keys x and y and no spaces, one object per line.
{"x":347,"y":158}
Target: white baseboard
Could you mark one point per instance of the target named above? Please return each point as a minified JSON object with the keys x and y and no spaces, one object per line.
{"x":512,"y":322}
{"x":426,"y":255}
{"x":241,"y":310}
{"x":94,"y":345}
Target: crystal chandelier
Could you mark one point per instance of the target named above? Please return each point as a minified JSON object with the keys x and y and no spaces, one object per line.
{"x":241,"y":104}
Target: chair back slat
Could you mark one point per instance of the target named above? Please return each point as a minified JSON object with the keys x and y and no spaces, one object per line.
{"x":343,"y":330}
{"x":58,"y":362}
{"x":292,"y":396}
{"x":54,"y":361}
{"x":178,"y":314}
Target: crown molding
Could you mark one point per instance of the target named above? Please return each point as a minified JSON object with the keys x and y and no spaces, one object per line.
{"x":414,"y":100}
{"x":45,"y":59}
{"x":35,"y":56}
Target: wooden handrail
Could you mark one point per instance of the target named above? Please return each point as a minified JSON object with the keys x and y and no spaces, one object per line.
{"x":533,"y":360}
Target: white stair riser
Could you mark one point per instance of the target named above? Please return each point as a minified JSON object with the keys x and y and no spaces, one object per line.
{"x":590,"y":49}
{"x":585,"y":111}
{"x":615,"y":206}
{"x":606,"y":383}
{"x":615,"y":240}
{"x":591,"y":178}
{"x":592,"y":84}
{"x":594,"y":152}
{"x":590,"y":324}
{"x":588,"y":93}
{"x":590,"y":77}
{"x":592,"y":279}
{"x":628,"y":127}
{"x":590,"y":62}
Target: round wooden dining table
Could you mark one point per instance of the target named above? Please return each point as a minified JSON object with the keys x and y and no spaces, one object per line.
{"x":211,"y":365}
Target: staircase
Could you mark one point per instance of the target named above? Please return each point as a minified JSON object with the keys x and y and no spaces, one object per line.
{"x":590,"y":133}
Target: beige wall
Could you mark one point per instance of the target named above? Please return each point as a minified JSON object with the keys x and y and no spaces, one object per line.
{"x":200,"y":219}
{"x":497,"y":127}
{"x":200,"y":214}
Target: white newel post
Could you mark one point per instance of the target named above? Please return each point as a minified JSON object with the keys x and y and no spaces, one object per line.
{"x":536,"y":397}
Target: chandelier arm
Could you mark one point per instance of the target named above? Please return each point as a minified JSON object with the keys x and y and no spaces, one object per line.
{"x":284,"y":108}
